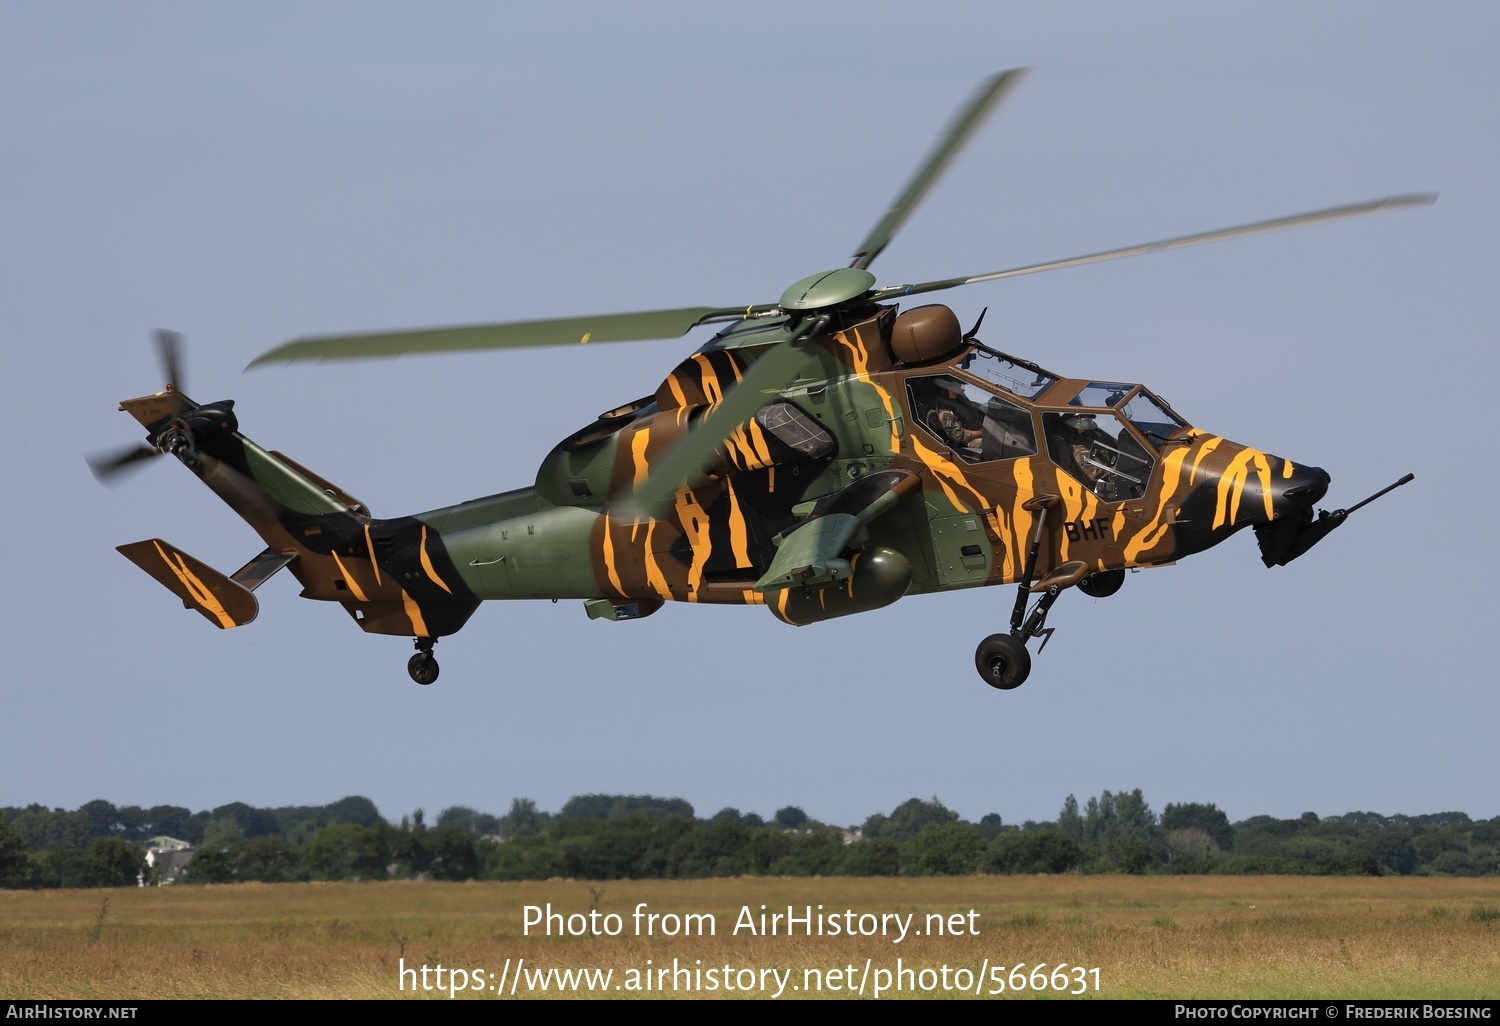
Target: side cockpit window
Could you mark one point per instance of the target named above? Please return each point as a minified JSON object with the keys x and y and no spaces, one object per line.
{"x":976,"y":425}
{"x":1099,"y":451}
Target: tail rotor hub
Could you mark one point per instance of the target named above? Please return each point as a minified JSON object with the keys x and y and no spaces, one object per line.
{"x":177,"y":439}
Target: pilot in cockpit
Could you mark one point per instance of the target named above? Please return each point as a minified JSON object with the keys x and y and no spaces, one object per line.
{"x":948,"y":418}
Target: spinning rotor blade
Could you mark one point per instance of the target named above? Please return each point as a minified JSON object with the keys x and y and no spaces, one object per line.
{"x":625,"y":327}
{"x":963,"y":128}
{"x":650,"y":324}
{"x":763,"y":378}
{"x":1276,"y":224}
{"x":169,"y":352}
{"x":108,"y":468}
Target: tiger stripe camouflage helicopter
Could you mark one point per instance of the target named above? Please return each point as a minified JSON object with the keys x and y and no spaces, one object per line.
{"x":823,"y":455}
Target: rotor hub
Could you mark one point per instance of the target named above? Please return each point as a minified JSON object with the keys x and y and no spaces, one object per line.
{"x":827,"y":289}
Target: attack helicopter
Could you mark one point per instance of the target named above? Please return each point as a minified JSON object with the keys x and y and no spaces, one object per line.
{"x":823,"y":455}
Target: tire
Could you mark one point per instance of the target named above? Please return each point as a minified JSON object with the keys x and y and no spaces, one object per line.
{"x":423,"y":668}
{"x":1002,"y":661}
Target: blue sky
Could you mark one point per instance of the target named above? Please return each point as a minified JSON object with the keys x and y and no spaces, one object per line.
{"x":248,"y":175}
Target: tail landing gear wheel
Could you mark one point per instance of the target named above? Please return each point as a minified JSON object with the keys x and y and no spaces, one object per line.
{"x":1003,"y":662}
{"x":423,"y":668}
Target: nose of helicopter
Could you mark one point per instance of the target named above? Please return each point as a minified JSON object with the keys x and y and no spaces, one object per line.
{"x":1293,"y":529}
{"x":1297,"y":488}
{"x":1279,"y":496}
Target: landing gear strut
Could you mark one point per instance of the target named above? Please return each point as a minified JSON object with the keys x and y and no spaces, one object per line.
{"x":423,"y":666}
{"x":1002,"y":659}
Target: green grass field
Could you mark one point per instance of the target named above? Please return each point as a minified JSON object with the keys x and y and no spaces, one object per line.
{"x":1155,"y":937}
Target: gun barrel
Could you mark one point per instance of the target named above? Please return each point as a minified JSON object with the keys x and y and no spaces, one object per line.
{"x":1388,"y":488}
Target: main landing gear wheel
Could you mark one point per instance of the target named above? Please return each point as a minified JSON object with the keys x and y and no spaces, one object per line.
{"x":423,"y":666}
{"x":1003,"y":662}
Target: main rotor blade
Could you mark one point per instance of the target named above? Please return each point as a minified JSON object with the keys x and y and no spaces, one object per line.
{"x":626,"y":327}
{"x":765,"y":377}
{"x":1276,"y":224}
{"x":963,"y":128}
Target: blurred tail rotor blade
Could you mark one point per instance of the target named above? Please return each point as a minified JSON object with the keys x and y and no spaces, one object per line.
{"x":169,"y":353}
{"x":108,"y":468}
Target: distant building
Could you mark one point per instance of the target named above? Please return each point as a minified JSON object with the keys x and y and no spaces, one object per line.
{"x":167,"y":858}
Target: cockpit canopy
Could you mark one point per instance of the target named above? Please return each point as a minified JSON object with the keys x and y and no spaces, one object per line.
{"x":1107,"y":435}
{"x":974,"y":422}
{"x":1090,"y":441}
{"x":1018,"y":377}
{"x":1152,"y":417}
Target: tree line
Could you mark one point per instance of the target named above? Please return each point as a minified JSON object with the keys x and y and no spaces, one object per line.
{"x":609,"y":837}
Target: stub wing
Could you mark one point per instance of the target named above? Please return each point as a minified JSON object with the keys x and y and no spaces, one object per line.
{"x":810,"y":555}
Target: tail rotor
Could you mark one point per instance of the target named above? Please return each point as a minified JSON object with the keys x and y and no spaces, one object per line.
{"x":174,"y":423}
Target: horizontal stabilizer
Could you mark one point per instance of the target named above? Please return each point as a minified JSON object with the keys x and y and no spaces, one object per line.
{"x":222,"y":600}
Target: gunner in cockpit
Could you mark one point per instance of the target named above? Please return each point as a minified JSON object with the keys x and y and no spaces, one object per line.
{"x":1078,"y":445}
